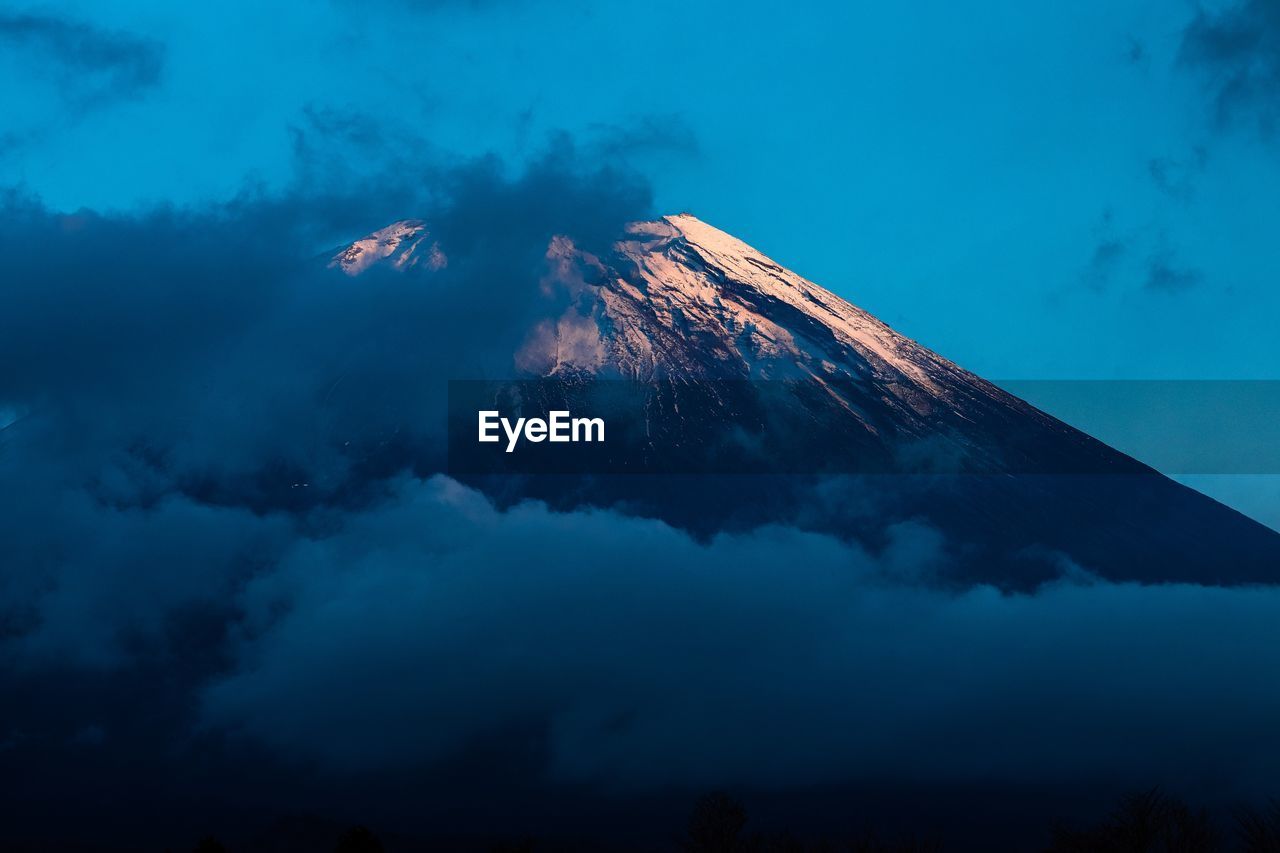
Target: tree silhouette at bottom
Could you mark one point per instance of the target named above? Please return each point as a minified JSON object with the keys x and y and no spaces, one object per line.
{"x":1147,"y":822}
{"x":716,"y":825}
{"x":1260,"y":830}
{"x":358,"y":839}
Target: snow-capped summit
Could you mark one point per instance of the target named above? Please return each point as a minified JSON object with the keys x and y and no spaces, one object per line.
{"x":401,"y":244}
{"x":676,"y":300}
{"x":678,"y":281}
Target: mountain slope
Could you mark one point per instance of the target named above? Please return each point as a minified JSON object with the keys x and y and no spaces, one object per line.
{"x":1018,"y":495}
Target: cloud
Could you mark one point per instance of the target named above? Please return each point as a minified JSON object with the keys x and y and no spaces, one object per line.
{"x":1161,"y":273}
{"x":92,"y":65}
{"x":1175,"y":178}
{"x":1135,"y":52}
{"x":1165,"y":276}
{"x":1236,"y":49}
{"x":121,"y":574}
{"x":189,"y":394}
{"x":769,"y":658}
{"x":669,"y":134}
{"x":1109,"y":253}
{"x":216,"y":346}
{"x":199,"y":376}
{"x":1106,"y":257}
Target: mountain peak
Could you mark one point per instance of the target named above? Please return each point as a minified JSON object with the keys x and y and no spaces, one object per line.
{"x":397,"y":244}
{"x":677,"y":296}
{"x":708,"y":236}
{"x":676,"y":301}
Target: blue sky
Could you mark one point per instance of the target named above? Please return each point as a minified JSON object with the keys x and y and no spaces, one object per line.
{"x":1037,"y":192}
{"x":953,"y":170}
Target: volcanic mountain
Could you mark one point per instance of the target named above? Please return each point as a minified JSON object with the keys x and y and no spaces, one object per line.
{"x":880,"y":431}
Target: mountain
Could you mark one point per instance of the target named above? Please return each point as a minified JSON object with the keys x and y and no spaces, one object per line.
{"x":859,"y":428}
{"x":400,"y":244}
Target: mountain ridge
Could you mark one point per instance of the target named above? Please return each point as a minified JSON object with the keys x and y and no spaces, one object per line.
{"x":677,"y":299}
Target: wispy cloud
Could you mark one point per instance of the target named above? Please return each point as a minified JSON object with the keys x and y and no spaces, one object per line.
{"x":1110,"y":251}
{"x":92,"y":65}
{"x":1165,"y":275}
{"x":1140,"y":257}
{"x":649,"y":134}
{"x":1107,"y":255}
{"x":1237,"y":49}
{"x":1176,"y":178}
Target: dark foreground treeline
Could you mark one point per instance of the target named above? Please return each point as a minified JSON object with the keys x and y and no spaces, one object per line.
{"x":1146,"y":822}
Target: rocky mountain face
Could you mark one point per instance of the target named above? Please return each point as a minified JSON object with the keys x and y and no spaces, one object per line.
{"x":878,"y":431}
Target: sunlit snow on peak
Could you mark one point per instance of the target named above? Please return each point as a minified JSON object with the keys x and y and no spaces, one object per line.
{"x":400,"y":244}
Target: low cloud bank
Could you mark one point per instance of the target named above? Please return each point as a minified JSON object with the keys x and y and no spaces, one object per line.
{"x":772,"y":658}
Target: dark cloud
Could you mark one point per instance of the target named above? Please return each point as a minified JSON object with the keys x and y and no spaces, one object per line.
{"x":92,"y":65}
{"x":1164,"y":275}
{"x":769,"y":658}
{"x":1237,"y":50}
{"x":187,"y":394}
{"x":209,"y":355}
